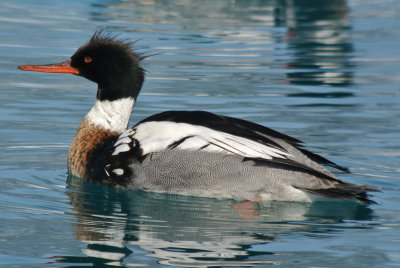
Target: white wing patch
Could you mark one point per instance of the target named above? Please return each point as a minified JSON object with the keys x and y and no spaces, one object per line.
{"x":121,"y":148}
{"x":123,"y":144}
{"x":156,"y":136}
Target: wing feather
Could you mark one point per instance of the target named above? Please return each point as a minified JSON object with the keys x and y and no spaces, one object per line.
{"x":155,"y":136}
{"x":239,"y":128}
{"x":197,"y":130}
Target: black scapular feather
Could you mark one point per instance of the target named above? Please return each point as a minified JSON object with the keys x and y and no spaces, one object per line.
{"x":240,"y":128}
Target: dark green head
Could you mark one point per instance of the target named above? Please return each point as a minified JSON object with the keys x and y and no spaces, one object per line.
{"x":112,"y":64}
{"x":106,"y":60}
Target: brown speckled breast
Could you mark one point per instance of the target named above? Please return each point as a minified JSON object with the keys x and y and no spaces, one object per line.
{"x":88,"y":139}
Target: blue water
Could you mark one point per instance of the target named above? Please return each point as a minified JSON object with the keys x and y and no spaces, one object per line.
{"x":325,"y":72}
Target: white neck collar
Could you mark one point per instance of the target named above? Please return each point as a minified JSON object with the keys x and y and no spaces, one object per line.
{"x":111,"y":115}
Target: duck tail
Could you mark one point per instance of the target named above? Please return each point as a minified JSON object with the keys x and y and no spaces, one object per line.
{"x":346,"y":191}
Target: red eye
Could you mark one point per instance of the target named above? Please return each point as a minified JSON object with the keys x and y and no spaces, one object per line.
{"x":87,"y":59}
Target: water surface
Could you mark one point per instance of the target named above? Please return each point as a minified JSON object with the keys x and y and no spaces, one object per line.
{"x":325,"y":73}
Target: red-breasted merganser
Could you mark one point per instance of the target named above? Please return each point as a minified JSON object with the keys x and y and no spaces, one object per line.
{"x":184,"y":152}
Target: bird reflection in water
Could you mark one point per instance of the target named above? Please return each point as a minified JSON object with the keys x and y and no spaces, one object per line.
{"x":124,"y":227}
